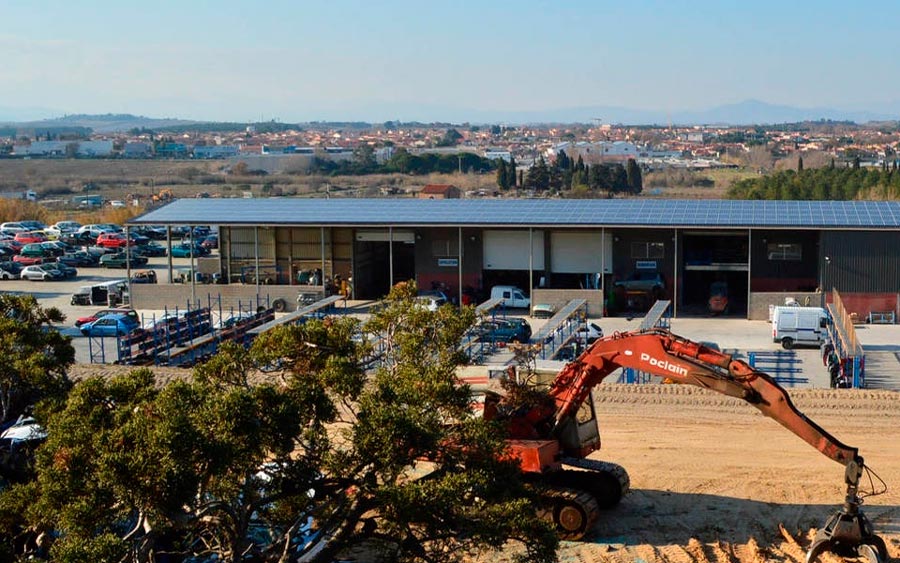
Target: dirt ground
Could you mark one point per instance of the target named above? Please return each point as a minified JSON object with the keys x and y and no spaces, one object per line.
{"x":713,"y":480}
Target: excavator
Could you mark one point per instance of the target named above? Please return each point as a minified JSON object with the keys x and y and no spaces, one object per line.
{"x":552,"y":437}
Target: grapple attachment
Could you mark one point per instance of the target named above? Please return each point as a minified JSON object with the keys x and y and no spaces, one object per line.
{"x":848,"y":533}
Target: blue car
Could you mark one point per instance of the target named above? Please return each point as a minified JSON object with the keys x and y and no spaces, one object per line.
{"x":111,"y":325}
{"x":184,"y":251}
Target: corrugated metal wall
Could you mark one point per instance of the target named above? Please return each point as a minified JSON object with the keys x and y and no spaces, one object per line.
{"x":860,"y":261}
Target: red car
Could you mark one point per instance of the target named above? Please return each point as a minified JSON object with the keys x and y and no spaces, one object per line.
{"x":103,"y":312}
{"x":113,"y":240}
{"x":28,"y":238}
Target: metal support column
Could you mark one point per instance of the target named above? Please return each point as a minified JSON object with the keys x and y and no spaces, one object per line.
{"x":193,"y":273}
{"x":169,"y":251}
{"x":749,"y":267}
{"x":460,"y":267}
{"x":128,"y":261}
{"x":322,"y":249}
{"x":391,"y":257}
{"x":530,"y":263}
{"x":675,"y":282}
{"x":603,"y":271}
{"x":256,"y":259}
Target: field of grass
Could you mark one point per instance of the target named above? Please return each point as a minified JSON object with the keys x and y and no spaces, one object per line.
{"x":61,"y":179}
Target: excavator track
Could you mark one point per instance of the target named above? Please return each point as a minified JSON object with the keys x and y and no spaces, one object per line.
{"x":572,"y":511}
{"x":608,"y":482}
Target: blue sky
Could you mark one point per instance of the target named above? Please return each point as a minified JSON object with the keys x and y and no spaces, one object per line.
{"x":376,"y":60}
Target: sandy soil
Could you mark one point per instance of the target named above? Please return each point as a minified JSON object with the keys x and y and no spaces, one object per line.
{"x":713,"y":480}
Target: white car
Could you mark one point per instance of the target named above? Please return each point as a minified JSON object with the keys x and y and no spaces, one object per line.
{"x":117,"y":203}
{"x":588,"y":332}
{"x":38,"y":272}
{"x":62,"y":227}
{"x":13,"y":228}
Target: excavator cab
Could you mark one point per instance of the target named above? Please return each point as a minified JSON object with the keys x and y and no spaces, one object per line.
{"x":579,"y":435}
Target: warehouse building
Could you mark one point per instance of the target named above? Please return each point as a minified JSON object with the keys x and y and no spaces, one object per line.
{"x":606,"y":251}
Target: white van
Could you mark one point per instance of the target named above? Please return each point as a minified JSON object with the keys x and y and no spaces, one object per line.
{"x":799,"y":325}
{"x":511,"y":295}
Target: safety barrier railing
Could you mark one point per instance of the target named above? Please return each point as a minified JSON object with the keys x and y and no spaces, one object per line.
{"x":851,"y":359}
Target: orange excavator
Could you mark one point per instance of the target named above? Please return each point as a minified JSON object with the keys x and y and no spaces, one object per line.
{"x":552,"y":437}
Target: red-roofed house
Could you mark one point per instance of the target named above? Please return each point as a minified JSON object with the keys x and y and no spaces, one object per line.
{"x":439,"y":191}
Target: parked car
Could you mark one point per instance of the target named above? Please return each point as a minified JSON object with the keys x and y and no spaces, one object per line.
{"x":104,"y":312}
{"x":58,"y":248}
{"x":33,"y":225}
{"x":95,"y":230}
{"x":33,"y":254}
{"x":432,"y":300}
{"x":588,"y":332}
{"x":183,"y":250}
{"x":152,"y":232}
{"x":144,"y":276}
{"x":503,"y":331}
{"x":29,"y":237}
{"x":643,"y":281}
{"x":9,"y":270}
{"x":39,"y":272}
{"x":79,"y":258}
{"x":77,"y":239}
{"x":67,"y":271}
{"x":117,"y":324}
{"x":61,"y":228}
{"x":6,"y":253}
{"x":13,"y":243}
{"x":210,"y":242}
{"x":13,"y":227}
{"x":113,"y":240}
{"x":120,"y":260}
{"x":150,"y":249}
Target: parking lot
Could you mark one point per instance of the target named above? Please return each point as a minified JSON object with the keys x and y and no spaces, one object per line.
{"x":731,"y":335}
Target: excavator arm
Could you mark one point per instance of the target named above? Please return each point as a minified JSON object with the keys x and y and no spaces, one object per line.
{"x":680,"y":360}
{"x":847,"y":532}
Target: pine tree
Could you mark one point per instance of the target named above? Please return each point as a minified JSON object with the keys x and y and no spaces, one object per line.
{"x":580,"y":164}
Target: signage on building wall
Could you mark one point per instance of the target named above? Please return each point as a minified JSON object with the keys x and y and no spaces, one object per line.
{"x":448,"y":262}
{"x":645,"y":265}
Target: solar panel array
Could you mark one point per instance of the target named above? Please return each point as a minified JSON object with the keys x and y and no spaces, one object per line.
{"x":527,"y":212}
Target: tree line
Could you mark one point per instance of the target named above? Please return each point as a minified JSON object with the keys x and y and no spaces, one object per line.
{"x":403,"y":162}
{"x":573,"y":177}
{"x":828,"y":183}
{"x":284,"y":448}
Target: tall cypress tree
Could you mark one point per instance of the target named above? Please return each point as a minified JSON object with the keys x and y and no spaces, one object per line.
{"x":799,"y":164}
{"x":511,"y":173}
{"x":502,"y":175}
{"x":634,"y":179}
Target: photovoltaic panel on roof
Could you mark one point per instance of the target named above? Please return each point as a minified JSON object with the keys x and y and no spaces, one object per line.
{"x":527,"y":213}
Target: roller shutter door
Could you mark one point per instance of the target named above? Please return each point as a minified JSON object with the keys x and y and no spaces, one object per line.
{"x":580,"y":252}
{"x":508,"y":250}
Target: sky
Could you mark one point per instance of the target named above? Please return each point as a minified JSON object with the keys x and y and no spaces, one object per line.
{"x":302,"y":60}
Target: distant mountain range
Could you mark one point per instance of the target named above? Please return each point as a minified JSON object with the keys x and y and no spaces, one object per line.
{"x":748,"y":112}
{"x":105,"y":123}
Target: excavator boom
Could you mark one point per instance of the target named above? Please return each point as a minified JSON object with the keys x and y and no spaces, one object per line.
{"x":679,"y":360}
